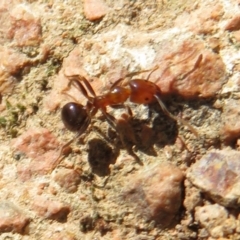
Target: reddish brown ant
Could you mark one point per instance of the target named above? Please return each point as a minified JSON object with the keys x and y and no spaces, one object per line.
{"x":77,"y":117}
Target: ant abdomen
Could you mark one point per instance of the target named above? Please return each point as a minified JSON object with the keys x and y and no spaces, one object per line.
{"x":73,"y":116}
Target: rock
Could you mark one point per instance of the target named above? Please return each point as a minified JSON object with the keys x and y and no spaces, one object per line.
{"x":231,"y":121}
{"x":35,"y":142}
{"x":215,"y":219}
{"x":94,"y":9}
{"x":233,"y":24}
{"x":155,"y":194}
{"x":192,"y":196}
{"x":177,"y":74}
{"x":25,"y":26}
{"x":228,"y":227}
{"x":202,"y":20}
{"x":218,"y":175}
{"x":211,"y":215}
{"x":236,"y":36}
{"x":68,"y":179}
{"x":39,"y":145}
{"x":12,"y":62}
{"x":63,"y":235}
{"x":50,"y":209}
{"x":12,"y":219}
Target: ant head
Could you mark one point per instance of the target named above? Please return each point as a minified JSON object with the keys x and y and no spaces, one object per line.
{"x":74,"y":115}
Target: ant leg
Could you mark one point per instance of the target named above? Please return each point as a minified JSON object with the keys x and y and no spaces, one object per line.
{"x":75,"y":100}
{"x":77,"y":80}
{"x":182,"y":121}
{"x":78,"y":134}
{"x":134,"y":73}
{"x":89,"y":87}
{"x":127,"y":108}
{"x":80,"y":86}
{"x":110,"y":119}
{"x":91,"y":112}
{"x":118,"y":127}
{"x":64,"y":91}
{"x":162,"y":105}
{"x":113,"y":123}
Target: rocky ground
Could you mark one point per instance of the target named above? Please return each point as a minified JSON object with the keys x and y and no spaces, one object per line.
{"x":155,"y":178}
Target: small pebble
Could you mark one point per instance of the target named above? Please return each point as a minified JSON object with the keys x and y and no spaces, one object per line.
{"x":11,"y":63}
{"x":218,"y":175}
{"x":42,"y":147}
{"x":25,"y":26}
{"x":233,"y":24}
{"x":179,"y":75}
{"x":216,"y":220}
{"x":94,"y":9}
{"x":50,"y":209}
{"x":192,"y":196}
{"x":211,"y":216}
{"x":231,"y":121}
{"x":12,"y":219}
{"x":68,"y":179}
{"x":156,"y":193}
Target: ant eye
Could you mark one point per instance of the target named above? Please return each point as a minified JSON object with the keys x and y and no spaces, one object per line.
{"x":73,"y":116}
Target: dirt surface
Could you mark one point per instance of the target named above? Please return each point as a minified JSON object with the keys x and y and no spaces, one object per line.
{"x":106,"y":184}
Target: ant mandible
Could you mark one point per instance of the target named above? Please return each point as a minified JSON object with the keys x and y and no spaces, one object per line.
{"x":77,"y":117}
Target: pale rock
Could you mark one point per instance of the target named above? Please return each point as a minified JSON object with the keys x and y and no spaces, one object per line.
{"x":12,"y":219}
{"x":155,"y":193}
{"x":218,"y":175}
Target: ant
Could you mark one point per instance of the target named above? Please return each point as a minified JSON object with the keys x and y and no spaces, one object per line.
{"x":77,"y":117}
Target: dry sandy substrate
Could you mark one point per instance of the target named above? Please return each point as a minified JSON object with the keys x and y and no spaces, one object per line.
{"x":163,"y":182}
